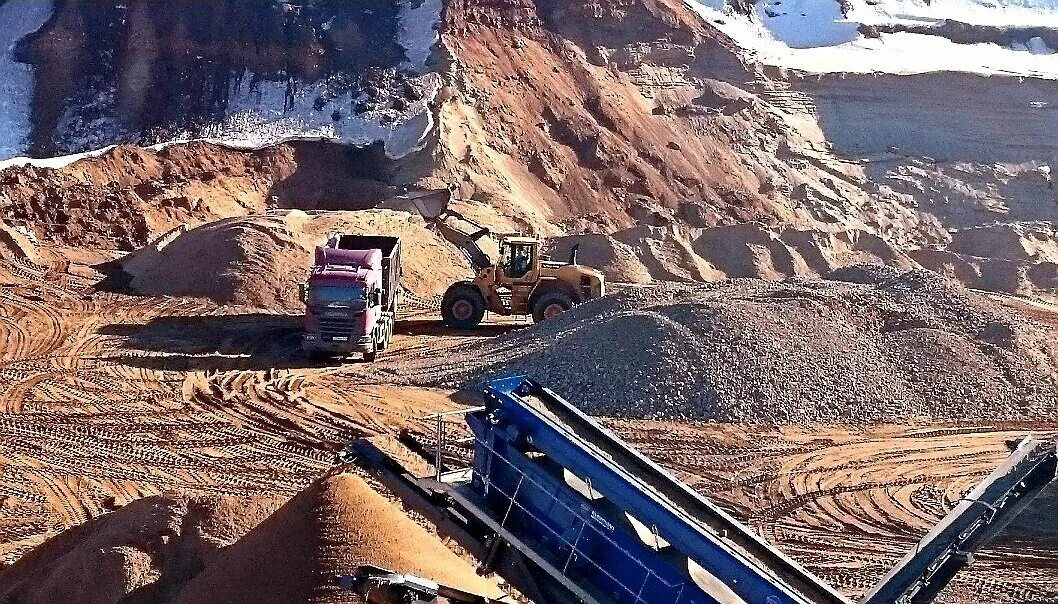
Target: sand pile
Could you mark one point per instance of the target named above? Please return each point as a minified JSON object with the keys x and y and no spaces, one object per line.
{"x":1016,"y":258}
{"x":1025,"y":241}
{"x":616,"y":260}
{"x":868,"y":345}
{"x":142,"y":552}
{"x":671,"y":252}
{"x":332,"y":527}
{"x":260,"y":260}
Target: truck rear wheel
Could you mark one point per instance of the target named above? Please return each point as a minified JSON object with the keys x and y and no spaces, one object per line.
{"x":389,"y":336}
{"x":550,"y":305}
{"x":463,"y":307}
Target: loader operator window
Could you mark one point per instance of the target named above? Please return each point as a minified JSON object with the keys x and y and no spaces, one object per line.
{"x":517,"y":260}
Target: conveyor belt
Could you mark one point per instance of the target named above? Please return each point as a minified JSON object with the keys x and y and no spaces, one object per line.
{"x":651,"y":479}
{"x":574,"y":491}
{"x":695,"y":507}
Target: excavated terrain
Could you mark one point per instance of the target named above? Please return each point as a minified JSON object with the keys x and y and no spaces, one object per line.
{"x":111,"y":398}
{"x":162,"y":438}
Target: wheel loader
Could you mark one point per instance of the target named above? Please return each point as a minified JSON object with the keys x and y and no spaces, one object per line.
{"x":521,"y":282}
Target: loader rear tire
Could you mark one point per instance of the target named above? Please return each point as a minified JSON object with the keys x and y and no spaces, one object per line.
{"x":463,"y":307}
{"x":550,"y":305}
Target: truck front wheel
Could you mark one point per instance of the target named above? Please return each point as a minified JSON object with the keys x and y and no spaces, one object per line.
{"x":463,"y":307}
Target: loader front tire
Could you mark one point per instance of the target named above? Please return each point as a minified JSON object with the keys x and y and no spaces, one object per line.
{"x":463,"y":307}
{"x":550,"y":305}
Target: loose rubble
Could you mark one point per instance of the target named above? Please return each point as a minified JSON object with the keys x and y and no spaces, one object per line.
{"x":870,"y":344}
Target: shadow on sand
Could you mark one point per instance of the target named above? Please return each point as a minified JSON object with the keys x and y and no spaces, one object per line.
{"x":253,"y":341}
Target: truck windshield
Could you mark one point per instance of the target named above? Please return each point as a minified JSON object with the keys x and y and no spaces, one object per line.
{"x":353,"y":294}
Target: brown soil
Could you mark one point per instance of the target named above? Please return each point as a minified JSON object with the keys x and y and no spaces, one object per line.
{"x":108,"y":399}
{"x":588,"y":115}
{"x":627,"y":120}
{"x":128,"y":196}
{"x":335,"y":525}
{"x":849,"y":503}
{"x":139,"y":553}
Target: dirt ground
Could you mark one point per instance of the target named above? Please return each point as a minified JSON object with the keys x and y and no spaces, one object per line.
{"x":108,"y":398}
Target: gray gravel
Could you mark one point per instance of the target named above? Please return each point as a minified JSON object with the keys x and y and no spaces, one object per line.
{"x":869,"y":344}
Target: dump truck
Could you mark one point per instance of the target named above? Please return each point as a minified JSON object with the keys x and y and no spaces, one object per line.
{"x":350,"y":296}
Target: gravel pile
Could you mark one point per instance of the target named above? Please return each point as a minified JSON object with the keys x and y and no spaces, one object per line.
{"x":868,"y":344}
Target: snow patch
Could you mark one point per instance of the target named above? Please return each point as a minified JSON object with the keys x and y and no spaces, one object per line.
{"x":264,"y":112}
{"x":19,"y":18}
{"x":52,"y":162}
{"x":814,"y":36}
{"x":806,"y":23}
{"x":998,"y":13}
{"x":418,"y":31}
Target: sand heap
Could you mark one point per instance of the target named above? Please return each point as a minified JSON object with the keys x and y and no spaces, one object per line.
{"x":260,"y":260}
{"x":668,"y":251}
{"x":140,"y":553}
{"x":127,"y":195}
{"x":1016,"y":258}
{"x":332,"y":527}
{"x":868,"y":345}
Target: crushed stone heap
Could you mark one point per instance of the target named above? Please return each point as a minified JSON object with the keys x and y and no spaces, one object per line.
{"x":868,"y":344}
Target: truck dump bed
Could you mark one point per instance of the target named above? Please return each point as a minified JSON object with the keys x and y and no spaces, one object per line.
{"x":391,"y":266}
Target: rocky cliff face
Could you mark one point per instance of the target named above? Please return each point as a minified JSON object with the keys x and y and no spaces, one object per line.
{"x":242,"y":71}
{"x":631,"y":112}
{"x":648,"y":124}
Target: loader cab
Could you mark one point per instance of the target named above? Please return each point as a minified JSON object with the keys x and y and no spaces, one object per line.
{"x":519,"y":258}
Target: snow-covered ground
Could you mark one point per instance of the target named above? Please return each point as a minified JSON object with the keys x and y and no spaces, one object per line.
{"x":418,"y":32}
{"x":262,"y":109}
{"x":18,"y":18}
{"x":1012,"y":13}
{"x":815,"y":36}
{"x":262,"y":113}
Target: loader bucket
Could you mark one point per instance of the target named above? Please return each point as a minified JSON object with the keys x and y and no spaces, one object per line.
{"x":430,"y":204}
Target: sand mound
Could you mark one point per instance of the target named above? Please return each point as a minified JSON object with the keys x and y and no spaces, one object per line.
{"x":992,"y":274}
{"x":1015,"y":258}
{"x":332,"y":527}
{"x":127,"y":195}
{"x":1025,"y":241}
{"x":260,"y":260}
{"x":139,"y":553}
{"x":871,"y":345}
{"x":616,"y":260}
{"x":668,"y":252}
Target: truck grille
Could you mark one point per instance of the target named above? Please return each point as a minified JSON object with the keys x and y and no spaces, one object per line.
{"x":335,"y":328}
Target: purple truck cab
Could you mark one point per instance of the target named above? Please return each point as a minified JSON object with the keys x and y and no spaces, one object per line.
{"x":350,"y":296}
